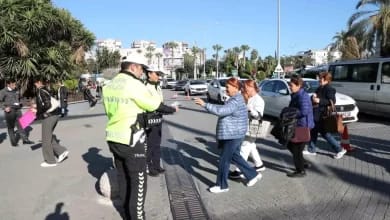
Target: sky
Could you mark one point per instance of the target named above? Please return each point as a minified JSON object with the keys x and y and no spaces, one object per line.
{"x":304,"y":24}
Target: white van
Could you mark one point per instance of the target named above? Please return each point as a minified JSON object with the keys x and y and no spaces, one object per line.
{"x":367,"y":81}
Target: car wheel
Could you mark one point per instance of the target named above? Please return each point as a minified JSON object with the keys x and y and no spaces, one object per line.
{"x":208,"y":97}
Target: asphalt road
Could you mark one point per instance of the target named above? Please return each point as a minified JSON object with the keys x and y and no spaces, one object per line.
{"x":354,"y":187}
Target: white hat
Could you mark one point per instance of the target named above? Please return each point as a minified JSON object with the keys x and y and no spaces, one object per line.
{"x":154,"y":69}
{"x":135,"y":59}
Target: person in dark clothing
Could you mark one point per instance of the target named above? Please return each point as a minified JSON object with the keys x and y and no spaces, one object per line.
{"x":62,"y":96}
{"x":153,"y":153}
{"x":321,"y":100}
{"x":9,"y":96}
{"x":49,"y":115}
{"x":88,"y":95}
{"x":301,"y":101}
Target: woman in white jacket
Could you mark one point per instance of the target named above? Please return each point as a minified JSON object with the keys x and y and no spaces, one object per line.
{"x":255,"y":106}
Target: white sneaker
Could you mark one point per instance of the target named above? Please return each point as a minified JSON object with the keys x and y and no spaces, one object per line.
{"x":254,"y":180}
{"x":62,"y":156}
{"x":306,"y":152}
{"x":217,"y":189}
{"x":44,"y":164}
{"x":340,"y":154}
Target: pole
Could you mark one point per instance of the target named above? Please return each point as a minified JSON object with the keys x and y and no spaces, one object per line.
{"x":204,"y":63}
{"x":278,"y":68}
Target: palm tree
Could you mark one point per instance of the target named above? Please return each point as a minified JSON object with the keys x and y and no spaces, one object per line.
{"x":149,"y":53}
{"x":158,"y":55}
{"x":244,"y":48}
{"x":195,"y":51}
{"x":217,"y":48}
{"x":339,"y":40}
{"x":374,"y":24}
{"x":237,"y":52}
{"x":172,"y":46}
{"x":37,"y":39}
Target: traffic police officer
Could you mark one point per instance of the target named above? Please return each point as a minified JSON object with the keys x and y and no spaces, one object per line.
{"x":125,"y":99}
{"x":154,"y":133}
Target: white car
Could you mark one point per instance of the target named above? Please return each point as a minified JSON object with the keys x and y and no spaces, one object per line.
{"x":193,"y":87}
{"x":277,"y":95}
{"x":217,"y":90}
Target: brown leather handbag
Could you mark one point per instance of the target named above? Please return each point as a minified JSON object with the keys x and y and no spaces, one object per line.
{"x":331,"y":121}
{"x":301,"y":135}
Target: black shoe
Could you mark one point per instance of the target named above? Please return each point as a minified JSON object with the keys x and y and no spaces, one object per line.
{"x":93,"y":103}
{"x":153,"y":172}
{"x":307,"y":165}
{"x":235,"y":175}
{"x":297,"y":174}
{"x":15,"y":145}
{"x":160,"y":170}
{"x":28,"y":142}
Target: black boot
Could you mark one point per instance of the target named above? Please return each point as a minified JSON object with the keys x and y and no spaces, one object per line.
{"x":296,"y":174}
{"x":27,"y":141}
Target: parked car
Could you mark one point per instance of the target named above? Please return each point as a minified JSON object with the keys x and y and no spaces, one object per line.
{"x":168,"y":83}
{"x":217,"y":90}
{"x":195,"y":87}
{"x":277,"y":95}
{"x":367,"y":81}
{"x":180,"y":85}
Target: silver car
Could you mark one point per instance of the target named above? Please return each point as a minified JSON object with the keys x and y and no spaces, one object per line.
{"x":277,"y":95}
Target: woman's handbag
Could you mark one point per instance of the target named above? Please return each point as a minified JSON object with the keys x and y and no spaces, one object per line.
{"x":331,"y":121}
{"x":258,"y":128}
{"x":301,"y":135}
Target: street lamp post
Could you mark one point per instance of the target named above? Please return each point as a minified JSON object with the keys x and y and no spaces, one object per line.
{"x":204,"y":63}
{"x":278,"y":69}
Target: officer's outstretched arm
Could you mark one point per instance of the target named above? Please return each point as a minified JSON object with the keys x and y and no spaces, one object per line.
{"x":146,"y":101}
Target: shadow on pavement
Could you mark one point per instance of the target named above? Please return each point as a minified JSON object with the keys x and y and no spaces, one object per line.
{"x":373,"y":119}
{"x":376,"y":153}
{"x":3,"y":136}
{"x":192,"y":130}
{"x":57,"y":215}
{"x":97,"y":164}
{"x":190,"y":163}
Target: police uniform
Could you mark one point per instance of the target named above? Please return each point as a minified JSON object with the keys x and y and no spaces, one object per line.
{"x":125,"y":100}
{"x":154,"y":133}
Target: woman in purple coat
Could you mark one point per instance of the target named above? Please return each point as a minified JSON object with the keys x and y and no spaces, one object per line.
{"x":300,"y":100}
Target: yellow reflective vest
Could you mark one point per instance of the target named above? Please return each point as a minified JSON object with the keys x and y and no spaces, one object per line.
{"x":155,"y":90}
{"x":124,"y":97}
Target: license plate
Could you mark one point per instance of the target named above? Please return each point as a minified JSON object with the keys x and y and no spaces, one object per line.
{"x":345,"y":114}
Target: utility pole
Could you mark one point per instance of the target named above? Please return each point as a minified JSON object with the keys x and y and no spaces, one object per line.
{"x":278,"y":69}
{"x":204,"y":63}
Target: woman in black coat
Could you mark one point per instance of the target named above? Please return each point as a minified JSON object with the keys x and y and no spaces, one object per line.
{"x":321,"y":100}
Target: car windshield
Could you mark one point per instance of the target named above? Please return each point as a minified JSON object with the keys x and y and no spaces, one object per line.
{"x":198,"y":82}
{"x":222,"y":82}
{"x":311,"y":86}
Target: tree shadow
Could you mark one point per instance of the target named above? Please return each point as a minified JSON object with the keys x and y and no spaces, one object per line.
{"x":190,"y":163}
{"x":97,"y":164}
{"x":57,"y":215}
{"x":374,"y":153}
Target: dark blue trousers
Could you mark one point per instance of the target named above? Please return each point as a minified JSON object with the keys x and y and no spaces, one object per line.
{"x":231,"y":153}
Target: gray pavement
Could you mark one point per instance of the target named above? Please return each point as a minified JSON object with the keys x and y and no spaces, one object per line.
{"x":354,"y":187}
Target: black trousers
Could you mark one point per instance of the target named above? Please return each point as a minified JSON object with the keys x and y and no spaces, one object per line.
{"x":132,"y":178}
{"x":296,"y":150}
{"x":11,"y":118}
{"x":153,"y":153}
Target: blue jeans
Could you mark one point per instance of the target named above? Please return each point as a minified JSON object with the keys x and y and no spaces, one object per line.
{"x":326,"y":135}
{"x":231,"y":153}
